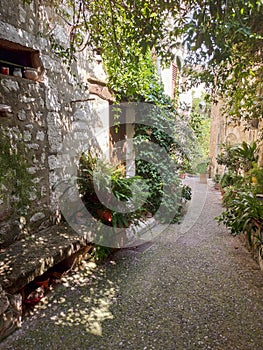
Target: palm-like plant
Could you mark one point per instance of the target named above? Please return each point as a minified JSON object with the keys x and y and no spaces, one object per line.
{"x":247,"y":155}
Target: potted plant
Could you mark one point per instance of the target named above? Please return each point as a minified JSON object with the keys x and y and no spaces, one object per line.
{"x":203,"y":173}
{"x":182,"y":175}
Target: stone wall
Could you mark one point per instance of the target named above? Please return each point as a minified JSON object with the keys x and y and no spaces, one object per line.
{"x":44,"y":111}
{"x":227,"y":131}
{"x":28,"y":121}
{"x":40,"y":114}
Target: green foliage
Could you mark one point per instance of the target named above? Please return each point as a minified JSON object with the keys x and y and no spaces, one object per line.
{"x":100,"y":253}
{"x":257,"y":173}
{"x":225,"y":40}
{"x":228,"y":179}
{"x":128,"y":35}
{"x":247,"y":155}
{"x":217,"y":178}
{"x":186,"y":192}
{"x":243,"y":211}
{"x":67,"y":54}
{"x":95,"y":174}
{"x":162,"y":170}
{"x":124,"y":33}
{"x":238,"y":158}
{"x":200,"y":125}
{"x":16,"y":183}
{"x":133,"y":81}
{"x":202,"y":168}
{"x":229,"y":158}
{"x":139,"y":81}
{"x":119,"y":25}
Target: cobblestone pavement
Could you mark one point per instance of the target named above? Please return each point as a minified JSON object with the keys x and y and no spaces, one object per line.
{"x":195,"y":287}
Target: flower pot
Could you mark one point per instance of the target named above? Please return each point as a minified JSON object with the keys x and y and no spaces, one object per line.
{"x":105,"y":215}
{"x":31,"y":73}
{"x":17,"y":72}
{"x":5,"y":70}
{"x":203,"y":178}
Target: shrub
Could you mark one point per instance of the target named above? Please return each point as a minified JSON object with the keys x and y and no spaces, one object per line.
{"x":110,"y":180}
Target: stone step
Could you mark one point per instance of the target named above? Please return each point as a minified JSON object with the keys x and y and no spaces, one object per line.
{"x":31,"y":257}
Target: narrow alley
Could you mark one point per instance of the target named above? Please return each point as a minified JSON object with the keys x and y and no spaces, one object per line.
{"x":194,"y":287}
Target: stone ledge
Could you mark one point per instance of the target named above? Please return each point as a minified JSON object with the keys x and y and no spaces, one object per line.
{"x":29,"y":258}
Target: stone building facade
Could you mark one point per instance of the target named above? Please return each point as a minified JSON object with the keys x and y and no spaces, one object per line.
{"x":230,"y":132}
{"x":42,"y":100}
{"x":43,"y":109}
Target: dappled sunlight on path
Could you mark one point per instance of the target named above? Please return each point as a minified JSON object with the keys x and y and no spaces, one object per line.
{"x":89,"y":310}
{"x":195,"y":287}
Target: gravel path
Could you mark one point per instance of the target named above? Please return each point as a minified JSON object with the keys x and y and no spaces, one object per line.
{"x":196,"y":287}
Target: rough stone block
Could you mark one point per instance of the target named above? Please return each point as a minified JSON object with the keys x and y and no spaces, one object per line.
{"x":29,"y":126}
{"x":37,"y":216}
{"x":32,"y":170}
{"x":27,"y":136}
{"x":27,"y":99}
{"x":10,"y":85}
{"x":22,"y":115}
{"x":40,"y":136}
{"x":52,"y":100}
{"x":34,"y":146}
{"x":54,"y":162}
{"x":22,"y":13}
{"x":38,"y":116}
{"x":9,"y":231}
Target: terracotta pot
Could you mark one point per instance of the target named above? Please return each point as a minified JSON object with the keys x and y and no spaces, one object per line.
{"x":5,"y":70}
{"x":203,"y":178}
{"x":104,"y":215}
{"x":31,"y":73}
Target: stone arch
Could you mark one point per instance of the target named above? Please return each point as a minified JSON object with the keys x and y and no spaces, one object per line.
{"x":231,"y":139}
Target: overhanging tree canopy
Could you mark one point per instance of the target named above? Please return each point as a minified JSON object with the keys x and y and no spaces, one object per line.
{"x":224,"y":38}
{"x":226,"y":41}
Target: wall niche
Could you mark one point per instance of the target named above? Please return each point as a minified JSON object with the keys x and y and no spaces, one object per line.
{"x":20,"y":61}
